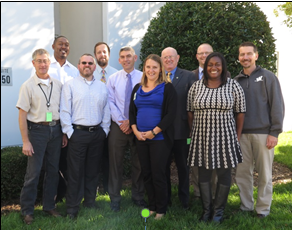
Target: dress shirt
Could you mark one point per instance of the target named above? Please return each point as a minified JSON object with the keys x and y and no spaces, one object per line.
{"x":172,"y":73}
{"x":116,"y":85}
{"x":200,"y":72}
{"x":33,"y":101}
{"x":62,"y":73}
{"x":84,"y":104}
{"x":108,"y":71}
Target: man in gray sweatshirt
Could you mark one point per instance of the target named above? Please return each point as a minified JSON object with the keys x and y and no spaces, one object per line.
{"x":262,"y":124}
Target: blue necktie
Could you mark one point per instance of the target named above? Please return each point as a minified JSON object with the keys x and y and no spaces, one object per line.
{"x":128,"y":93}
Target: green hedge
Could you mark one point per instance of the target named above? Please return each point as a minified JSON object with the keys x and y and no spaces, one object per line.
{"x":13,"y":167}
{"x":224,"y":25}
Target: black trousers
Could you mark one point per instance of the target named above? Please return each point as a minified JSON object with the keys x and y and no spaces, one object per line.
{"x":180,"y":151}
{"x":83,"y":161}
{"x":62,"y":186}
{"x":153,"y":156}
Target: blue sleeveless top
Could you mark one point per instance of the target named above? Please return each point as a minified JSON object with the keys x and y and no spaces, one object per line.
{"x":149,"y":109}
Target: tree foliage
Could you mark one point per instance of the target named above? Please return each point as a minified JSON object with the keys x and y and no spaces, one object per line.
{"x":224,"y":25}
{"x":287,"y":9}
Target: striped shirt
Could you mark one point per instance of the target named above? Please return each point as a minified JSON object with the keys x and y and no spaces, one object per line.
{"x":84,"y":104}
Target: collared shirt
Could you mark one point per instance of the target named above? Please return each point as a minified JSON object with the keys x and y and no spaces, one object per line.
{"x":84,"y":104}
{"x":33,"y":101}
{"x":172,"y":73}
{"x":108,"y":71}
{"x":62,"y":73}
{"x":201,"y":72}
{"x":116,"y":85}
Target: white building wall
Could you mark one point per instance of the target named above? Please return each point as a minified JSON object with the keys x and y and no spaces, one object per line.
{"x":25,"y":27}
{"x":126,"y":23}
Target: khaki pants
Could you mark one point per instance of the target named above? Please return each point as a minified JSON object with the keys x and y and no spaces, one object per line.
{"x":195,"y":177}
{"x":256,"y":153}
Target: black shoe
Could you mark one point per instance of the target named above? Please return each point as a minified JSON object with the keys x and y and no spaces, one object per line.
{"x":93,"y":206}
{"x":72,"y":216}
{"x":185,"y":206}
{"x":115,"y":206}
{"x":261,"y":216}
{"x":141,"y":203}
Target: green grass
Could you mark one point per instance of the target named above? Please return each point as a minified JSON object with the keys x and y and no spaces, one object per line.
{"x":283,"y":151}
{"x":129,"y":217}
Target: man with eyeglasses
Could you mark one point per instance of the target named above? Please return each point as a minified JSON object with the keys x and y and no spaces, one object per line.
{"x":85,"y":118}
{"x":120,"y":86}
{"x":102,"y":72}
{"x":39,"y":124}
{"x":182,"y":81}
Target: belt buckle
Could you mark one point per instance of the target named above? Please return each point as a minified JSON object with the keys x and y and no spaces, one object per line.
{"x":52,"y":123}
{"x":91,"y":129}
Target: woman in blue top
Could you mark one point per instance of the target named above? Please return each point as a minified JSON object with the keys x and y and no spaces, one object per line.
{"x":152,"y":113}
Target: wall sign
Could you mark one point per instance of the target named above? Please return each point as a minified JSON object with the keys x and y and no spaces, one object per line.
{"x":6,"y":76}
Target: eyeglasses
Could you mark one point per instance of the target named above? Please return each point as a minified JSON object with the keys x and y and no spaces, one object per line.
{"x":84,"y":63}
{"x":168,"y":57}
{"x":40,"y":61}
{"x":206,"y":53}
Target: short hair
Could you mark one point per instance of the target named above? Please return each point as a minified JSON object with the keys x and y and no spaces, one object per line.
{"x":204,"y":44}
{"x":127,"y":48}
{"x":87,"y":54}
{"x":162,"y":77}
{"x":56,"y":38}
{"x":39,"y":52}
{"x":102,"y":43}
{"x":224,"y":68}
{"x":249,"y":44}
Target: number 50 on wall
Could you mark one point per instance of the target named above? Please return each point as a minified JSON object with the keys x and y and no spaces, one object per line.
{"x":6,"y":76}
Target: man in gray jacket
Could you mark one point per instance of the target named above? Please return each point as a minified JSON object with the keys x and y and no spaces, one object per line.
{"x":262,"y":125}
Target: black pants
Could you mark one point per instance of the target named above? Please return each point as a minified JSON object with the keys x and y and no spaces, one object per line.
{"x":84,"y":158}
{"x":224,"y":175}
{"x":62,"y":186}
{"x":180,"y":151}
{"x":153,"y":156}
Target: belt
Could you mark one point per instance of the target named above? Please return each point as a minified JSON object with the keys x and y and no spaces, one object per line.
{"x":52,"y":123}
{"x":87,"y":128}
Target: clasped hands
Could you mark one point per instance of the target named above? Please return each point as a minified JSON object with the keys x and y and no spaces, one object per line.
{"x":125,"y":127}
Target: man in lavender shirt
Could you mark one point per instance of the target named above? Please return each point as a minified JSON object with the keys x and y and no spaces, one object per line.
{"x":121,"y":134}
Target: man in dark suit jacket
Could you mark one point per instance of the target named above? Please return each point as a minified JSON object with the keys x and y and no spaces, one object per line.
{"x":182,"y":81}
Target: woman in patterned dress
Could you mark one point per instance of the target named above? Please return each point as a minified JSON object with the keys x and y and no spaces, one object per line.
{"x":216,"y":107}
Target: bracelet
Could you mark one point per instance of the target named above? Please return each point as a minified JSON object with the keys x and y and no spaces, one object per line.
{"x":154,"y":134}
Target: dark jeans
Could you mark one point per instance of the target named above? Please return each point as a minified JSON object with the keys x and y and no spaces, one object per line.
{"x":153,"y":156}
{"x":46,"y":142}
{"x":118,"y":141}
{"x":83,"y":162}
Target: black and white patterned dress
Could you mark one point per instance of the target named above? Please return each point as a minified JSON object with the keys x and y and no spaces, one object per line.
{"x":214,"y":139}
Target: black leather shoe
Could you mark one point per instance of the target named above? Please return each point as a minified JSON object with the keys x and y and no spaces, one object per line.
{"x":115,"y":206}
{"x":141,"y":203}
{"x":53,"y":212}
{"x":72,"y":216}
{"x":185,"y":206}
{"x":93,"y":206}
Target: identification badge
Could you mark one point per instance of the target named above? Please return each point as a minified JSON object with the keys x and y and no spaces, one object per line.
{"x":188,"y":141}
{"x":49,"y":116}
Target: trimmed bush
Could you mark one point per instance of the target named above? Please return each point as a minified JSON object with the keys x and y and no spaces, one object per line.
{"x":224,"y":25}
{"x":13,"y":167}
